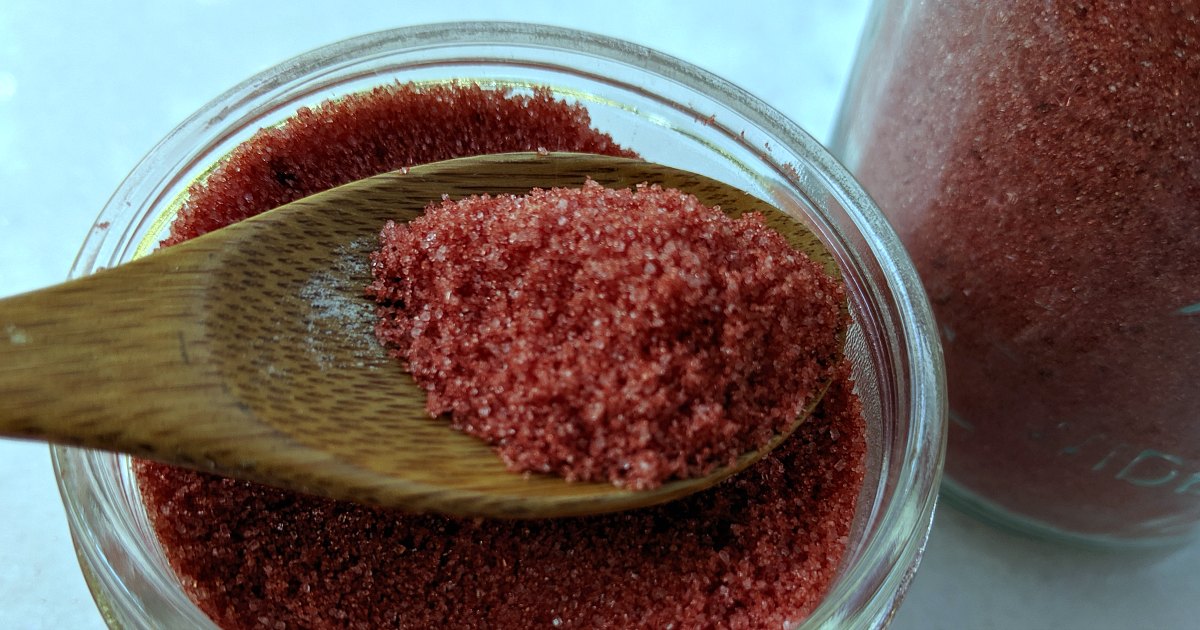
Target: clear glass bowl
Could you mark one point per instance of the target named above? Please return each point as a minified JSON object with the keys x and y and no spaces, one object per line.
{"x":671,"y":113}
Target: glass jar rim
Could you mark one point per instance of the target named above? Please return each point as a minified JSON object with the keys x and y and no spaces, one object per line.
{"x":889,"y":555}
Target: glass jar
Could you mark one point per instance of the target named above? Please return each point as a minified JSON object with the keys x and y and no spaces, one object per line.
{"x":671,"y":113}
{"x":1041,"y":162}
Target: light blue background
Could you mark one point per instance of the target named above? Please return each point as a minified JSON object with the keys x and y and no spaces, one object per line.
{"x":86,"y":88}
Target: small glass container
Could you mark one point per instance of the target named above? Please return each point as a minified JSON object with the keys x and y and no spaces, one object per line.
{"x":671,"y":113}
{"x":1041,"y":162}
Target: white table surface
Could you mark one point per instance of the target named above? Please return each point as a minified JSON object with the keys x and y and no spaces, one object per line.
{"x":85,"y":92}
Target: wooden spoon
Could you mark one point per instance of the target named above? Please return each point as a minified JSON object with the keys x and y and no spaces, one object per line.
{"x":250,"y":352}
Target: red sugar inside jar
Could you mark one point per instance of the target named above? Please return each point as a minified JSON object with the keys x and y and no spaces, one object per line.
{"x":755,"y":551}
{"x":632,"y":336}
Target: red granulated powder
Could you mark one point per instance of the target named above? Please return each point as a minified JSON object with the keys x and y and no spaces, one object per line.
{"x":752,"y":552}
{"x":1041,"y":161}
{"x":631,"y":336}
{"x":391,"y":127}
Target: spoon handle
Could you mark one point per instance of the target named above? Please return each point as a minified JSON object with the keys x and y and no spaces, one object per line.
{"x":116,"y":360}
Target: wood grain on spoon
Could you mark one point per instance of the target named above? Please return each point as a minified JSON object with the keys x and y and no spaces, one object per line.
{"x":250,"y":352}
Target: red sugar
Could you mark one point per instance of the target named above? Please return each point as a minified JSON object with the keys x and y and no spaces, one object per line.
{"x":386,"y":129}
{"x":752,"y":552}
{"x":620,"y":335}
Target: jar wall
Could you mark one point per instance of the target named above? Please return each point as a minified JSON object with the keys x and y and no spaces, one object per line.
{"x":1041,"y":162}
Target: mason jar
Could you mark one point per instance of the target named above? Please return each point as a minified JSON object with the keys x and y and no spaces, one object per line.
{"x":1040,"y":160}
{"x":671,"y":113}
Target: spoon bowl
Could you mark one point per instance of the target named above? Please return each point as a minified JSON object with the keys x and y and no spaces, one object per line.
{"x":249,"y":352}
